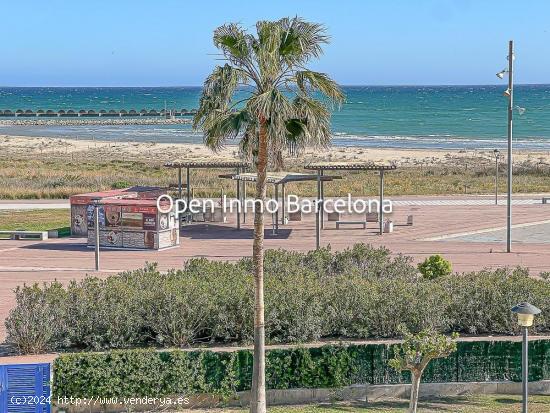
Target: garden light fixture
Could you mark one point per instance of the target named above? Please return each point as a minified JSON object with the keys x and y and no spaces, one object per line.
{"x":526,"y":314}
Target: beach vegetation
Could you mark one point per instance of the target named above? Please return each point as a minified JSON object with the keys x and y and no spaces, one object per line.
{"x":23,"y":178}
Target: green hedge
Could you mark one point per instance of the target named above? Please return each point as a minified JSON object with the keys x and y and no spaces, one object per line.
{"x":361,"y":292}
{"x":138,"y":373}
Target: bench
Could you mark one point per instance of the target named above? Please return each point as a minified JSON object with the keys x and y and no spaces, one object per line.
{"x":545,"y":199}
{"x":24,"y":235}
{"x":338,"y":223}
{"x":371,"y":217}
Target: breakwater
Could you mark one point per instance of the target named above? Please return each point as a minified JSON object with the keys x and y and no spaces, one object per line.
{"x":125,"y":121}
{"x":97,"y":113}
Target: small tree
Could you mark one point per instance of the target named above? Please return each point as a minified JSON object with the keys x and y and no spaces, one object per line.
{"x":434,"y":267}
{"x":416,"y":352}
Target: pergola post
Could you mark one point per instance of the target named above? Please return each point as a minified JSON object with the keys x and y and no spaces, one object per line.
{"x":381,"y":209}
{"x":283,"y":207}
{"x":317,"y":218}
{"x":276,"y":195}
{"x":188,"y":179}
{"x":322,"y":216}
{"x":239,"y":200}
{"x":180,"y":192}
{"x":244,"y":201}
{"x":179,"y":184}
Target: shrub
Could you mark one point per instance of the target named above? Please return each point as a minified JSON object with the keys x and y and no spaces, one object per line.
{"x":434,"y":267}
{"x":361,"y":292}
{"x":32,"y":324}
{"x":120,"y":185}
{"x":102,"y":314}
{"x":138,"y":373}
{"x":481,"y":301}
{"x":294,"y":313}
{"x":144,"y":373}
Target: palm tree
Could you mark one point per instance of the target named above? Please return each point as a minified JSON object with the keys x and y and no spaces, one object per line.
{"x":278,"y":108}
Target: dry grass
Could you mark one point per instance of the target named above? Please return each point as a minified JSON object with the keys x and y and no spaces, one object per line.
{"x":56,"y":178}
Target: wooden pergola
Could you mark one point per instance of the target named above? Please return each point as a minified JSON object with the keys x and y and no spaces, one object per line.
{"x":239,"y":166}
{"x":280,"y":179}
{"x":321,"y":167}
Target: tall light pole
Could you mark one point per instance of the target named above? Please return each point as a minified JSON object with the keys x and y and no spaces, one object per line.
{"x":497,"y":156}
{"x":526,"y":315}
{"x":96,"y":231}
{"x":509,"y":93}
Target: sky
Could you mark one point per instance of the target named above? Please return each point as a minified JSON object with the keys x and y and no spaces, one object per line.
{"x":169,"y":42}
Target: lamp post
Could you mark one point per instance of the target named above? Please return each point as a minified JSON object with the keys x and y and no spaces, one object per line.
{"x":497,"y":156}
{"x":526,"y":315}
{"x":509,"y":93}
{"x":96,"y":231}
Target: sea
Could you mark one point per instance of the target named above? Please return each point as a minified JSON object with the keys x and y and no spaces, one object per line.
{"x":442,"y":117}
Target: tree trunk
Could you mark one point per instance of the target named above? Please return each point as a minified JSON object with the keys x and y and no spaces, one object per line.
{"x":414,"y":391}
{"x":257,"y":400}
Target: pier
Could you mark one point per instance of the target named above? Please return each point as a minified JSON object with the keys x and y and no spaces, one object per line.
{"x":66,"y":113}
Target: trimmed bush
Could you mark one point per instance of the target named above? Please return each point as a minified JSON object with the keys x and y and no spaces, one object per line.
{"x":138,"y":373}
{"x":143,"y":373}
{"x":434,"y":267}
{"x":361,"y":292}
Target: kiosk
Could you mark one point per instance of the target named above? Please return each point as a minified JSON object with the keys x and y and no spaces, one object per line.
{"x":132,"y":224}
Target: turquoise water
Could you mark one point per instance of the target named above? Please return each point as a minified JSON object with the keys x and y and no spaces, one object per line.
{"x":393,"y":116}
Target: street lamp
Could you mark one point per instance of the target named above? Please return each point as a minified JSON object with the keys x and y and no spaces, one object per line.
{"x":526,"y":315}
{"x":509,"y":93}
{"x":497,"y":156}
{"x":96,"y":231}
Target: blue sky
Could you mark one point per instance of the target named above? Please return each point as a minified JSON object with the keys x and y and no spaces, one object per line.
{"x":168,"y":42}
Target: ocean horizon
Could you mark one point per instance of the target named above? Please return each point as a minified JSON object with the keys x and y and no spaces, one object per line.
{"x":443,"y":117}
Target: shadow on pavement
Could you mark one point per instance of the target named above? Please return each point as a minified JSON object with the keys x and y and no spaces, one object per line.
{"x":209,"y":231}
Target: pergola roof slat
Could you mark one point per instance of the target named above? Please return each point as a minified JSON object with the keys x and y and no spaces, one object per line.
{"x":206,"y":164}
{"x":278,"y":177}
{"x":349,"y":166}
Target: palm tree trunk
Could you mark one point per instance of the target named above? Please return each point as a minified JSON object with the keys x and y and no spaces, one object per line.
{"x":258,"y":402}
{"x":413,"y":405}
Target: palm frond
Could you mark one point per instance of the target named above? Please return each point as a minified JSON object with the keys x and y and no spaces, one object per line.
{"x":315,"y":117}
{"x":301,"y":40}
{"x":308,"y":80}
{"x":225,"y":126}
{"x":217,"y":93}
{"x":232,"y":40}
{"x":267,"y":52}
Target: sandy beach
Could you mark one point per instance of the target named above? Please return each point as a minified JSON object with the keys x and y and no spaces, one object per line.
{"x":40,"y":147}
